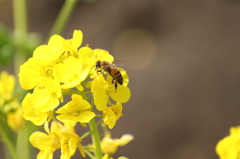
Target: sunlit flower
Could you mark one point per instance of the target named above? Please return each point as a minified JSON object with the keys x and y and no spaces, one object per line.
{"x":229,"y":147}
{"x":47,"y":94}
{"x":31,"y":113}
{"x":69,"y":126}
{"x":61,"y":68}
{"x":7,"y":85}
{"x":70,"y":72}
{"x":47,"y":143}
{"x":122,"y":157}
{"x":29,"y":74}
{"x":112,"y":114}
{"x":110,"y":146}
{"x":69,"y":143}
{"x":58,"y":137}
{"x":48,"y":55}
{"x":8,"y":101}
{"x":86,"y":57}
{"x":103,"y":89}
{"x":73,"y":44}
{"x":102,"y":55}
{"x":15,"y":119}
{"x":77,"y":110}
{"x":106,"y":156}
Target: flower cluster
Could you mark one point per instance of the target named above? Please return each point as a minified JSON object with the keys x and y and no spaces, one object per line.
{"x":57,"y":70}
{"x":229,"y":147}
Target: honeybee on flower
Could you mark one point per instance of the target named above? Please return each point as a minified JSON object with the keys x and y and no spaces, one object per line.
{"x":62,"y":68}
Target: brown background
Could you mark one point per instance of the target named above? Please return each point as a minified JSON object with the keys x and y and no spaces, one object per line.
{"x":184,"y":67}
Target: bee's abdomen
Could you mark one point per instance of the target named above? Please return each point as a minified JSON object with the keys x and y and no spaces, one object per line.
{"x":119,"y":77}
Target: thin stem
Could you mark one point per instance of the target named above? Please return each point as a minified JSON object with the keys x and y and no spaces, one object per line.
{"x":63,"y":17}
{"x":99,"y":122}
{"x":8,"y":143}
{"x":23,"y":145}
{"x":88,"y":147}
{"x":95,"y":139}
{"x":20,"y":31}
{"x":105,"y":129}
{"x":89,"y":154}
{"x":20,"y":35}
{"x":86,"y":134}
{"x":99,"y":116}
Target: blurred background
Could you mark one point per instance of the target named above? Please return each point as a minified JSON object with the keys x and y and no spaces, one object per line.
{"x":184,"y":67}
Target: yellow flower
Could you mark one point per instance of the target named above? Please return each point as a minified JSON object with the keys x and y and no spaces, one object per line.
{"x":112,"y":114}
{"x":15,"y":119}
{"x":69,"y":126}
{"x":73,"y":44}
{"x":47,"y":94}
{"x":77,"y":110}
{"x":69,"y":143}
{"x":70,"y":72}
{"x":229,"y":147}
{"x":106,"y":156}
{"x":49,"y":55}
{"x":47,"y":143}
{"x":8,"y":103}
{"x":57,"y":137}
{"x":7,"y":85}
{"x":86,"y":57}
{"x":29,"y":73}
{"x":110,"y":146}
{"x":102,"y":55}
{"x":103,"y":89}
{"x":30,"y":113}
{"x":59,"y":68}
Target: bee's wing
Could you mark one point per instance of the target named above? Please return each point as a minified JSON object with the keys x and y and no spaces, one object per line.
{"x":119,"y":63}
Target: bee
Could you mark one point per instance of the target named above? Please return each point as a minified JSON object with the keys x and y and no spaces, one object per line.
{"x":105,"y":66}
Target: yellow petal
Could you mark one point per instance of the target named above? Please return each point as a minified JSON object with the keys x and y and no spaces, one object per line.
{"x":122,"y":94}
{"x":77,"y":38}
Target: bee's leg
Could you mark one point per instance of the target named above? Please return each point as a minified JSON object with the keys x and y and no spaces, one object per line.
{"x":99,"y":72}
{"x":115,"y":84}
{"x":115,"y":87}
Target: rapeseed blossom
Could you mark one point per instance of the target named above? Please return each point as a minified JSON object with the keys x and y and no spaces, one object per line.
{"x":7,"y":86}
{"x":77,"y":110}
{"x":9,"y":104}
{"x":106,"y":156}
{"x":112,"y":114}
{"x":14,"y":119}
{"x":110,"y":146}
{"x":60,"y":68}
{"x":229,"y":147}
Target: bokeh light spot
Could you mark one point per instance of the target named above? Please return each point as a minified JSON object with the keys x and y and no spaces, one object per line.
{"x":137,"y":46}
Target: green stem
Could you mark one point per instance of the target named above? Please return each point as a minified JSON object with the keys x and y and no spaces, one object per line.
{"x":24,"y":149}
{"x":89,"y":154}
{"x":20,"y":37}
{"x":8,"y":143}
{"x":86,"y":134}
{"x":20,"y":31}
{"x":95,"y":139}
{"x":99,"y":122}
{"x":63,"y":17}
